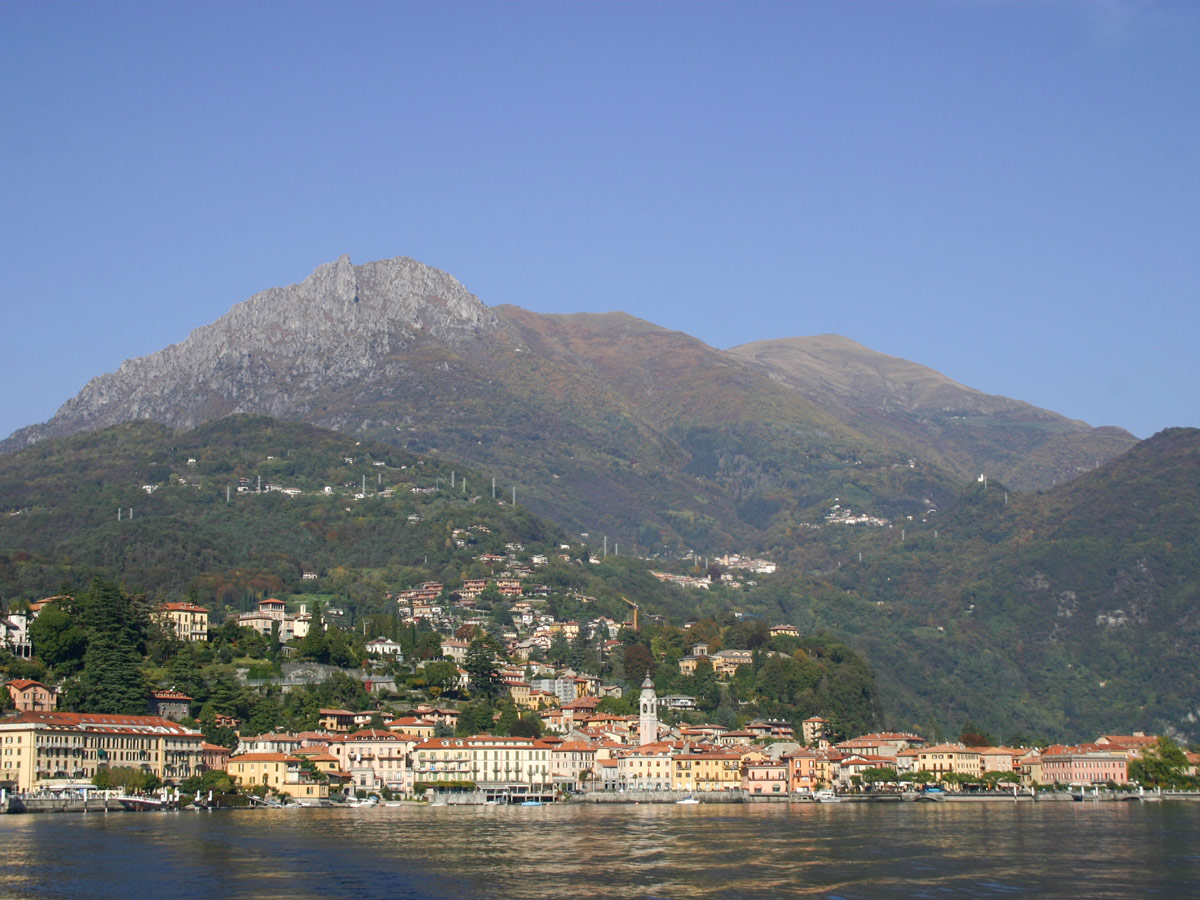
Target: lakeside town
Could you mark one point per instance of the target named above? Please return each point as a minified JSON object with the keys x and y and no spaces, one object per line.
{"x":569,"y":735}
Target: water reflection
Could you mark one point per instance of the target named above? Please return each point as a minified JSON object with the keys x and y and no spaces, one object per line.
{"x":847,"y":851}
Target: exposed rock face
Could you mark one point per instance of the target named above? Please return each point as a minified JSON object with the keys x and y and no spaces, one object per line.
{"x":276,"y":351}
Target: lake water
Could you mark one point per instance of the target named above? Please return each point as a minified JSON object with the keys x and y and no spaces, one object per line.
{"x":910,"y":850}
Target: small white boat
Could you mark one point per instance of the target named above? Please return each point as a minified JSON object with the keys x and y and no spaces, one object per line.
{"x":687,"y":801}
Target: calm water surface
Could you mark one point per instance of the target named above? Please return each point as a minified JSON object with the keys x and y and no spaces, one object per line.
{"x":851,"y":851}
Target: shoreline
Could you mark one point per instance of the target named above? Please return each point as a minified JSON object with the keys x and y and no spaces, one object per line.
{"x":39,"y":805}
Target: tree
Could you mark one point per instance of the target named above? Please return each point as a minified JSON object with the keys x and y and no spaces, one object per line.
{"x":481,"y":667}
{"x":509,"y":717}
{"x":265,"y":717}
{"x":638,"y":662}
{"x":112,"y":680}
{"x":105,"y":609}
{"x":617,"y":706}
{"x":59,"y":640}
{"x":313,"y":645}
{"x":880,"y":775}
{"x":579,"y":649}
{"x":214,"y":734}
{"x":560,"y":650}
{"x":529,"y":725}
{"x":972,"y":735}
{"x":1162,"y":764}
{"x":215,"y":780}
{"x":474,"y":718}
{"x":441,"y":677}
{"x":126,"y":778}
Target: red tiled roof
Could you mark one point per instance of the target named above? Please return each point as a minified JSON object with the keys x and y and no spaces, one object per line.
{"x":169,"y":695}
{"x":101,"y":722}
{"x":22,"y":684}
{"x":181,"y":607}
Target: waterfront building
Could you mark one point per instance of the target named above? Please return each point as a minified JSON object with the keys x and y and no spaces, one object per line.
{"x":214,"y":756}
{"x":764,"y":776}
{"x":706,"y":770}
{"x":1000,"y":759}
{"x":491,"y":762}
{"x":647,"y":768}
{"x":945,"y":759}
{"x":803,"y":771}
{"x":854,"y":765}
{"x":58,"y":749}
{"x":1131,"y":746}
{"x":1084,"y":768}
{"x":572,"y":764}
{"x":280,"y":772}
{"x":375,"y":758}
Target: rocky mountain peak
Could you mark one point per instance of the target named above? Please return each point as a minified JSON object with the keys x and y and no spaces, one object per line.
{"x":273,"y":351}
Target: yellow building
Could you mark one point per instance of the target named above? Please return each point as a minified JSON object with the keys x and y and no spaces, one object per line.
{"x":708,"y":770}
{"x":279,"y":772}
{"x":945,"y":759}
{"x":55,"y":749}
{"x":188,"y":621}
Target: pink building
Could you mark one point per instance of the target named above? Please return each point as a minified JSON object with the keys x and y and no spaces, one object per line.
{"x":1084,"y":768}
{"x":31,"y":696}
{"x":763,"y":776}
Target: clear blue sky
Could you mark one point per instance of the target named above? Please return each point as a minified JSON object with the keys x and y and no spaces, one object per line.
{"x":1005,"y":191}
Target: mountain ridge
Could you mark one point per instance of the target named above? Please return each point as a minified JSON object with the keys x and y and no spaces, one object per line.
{"x":605,"y":420}
{"x":963,"y":428}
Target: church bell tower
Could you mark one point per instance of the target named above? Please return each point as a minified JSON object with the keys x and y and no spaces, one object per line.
{"x":648,"y":716}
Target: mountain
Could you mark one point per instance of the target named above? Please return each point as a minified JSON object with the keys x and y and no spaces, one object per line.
{"x":1058,"y":615}
{"x":606,"y":423}
{"x":964,"y":430}
{"x":192,"y":516}
{"x":1072,"y":611}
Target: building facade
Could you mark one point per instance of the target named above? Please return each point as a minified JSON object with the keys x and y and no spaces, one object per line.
{"x":56,"y":749}
{"x":188,"y":621}
{"x":488,"y":761}
{"x":31,"y":696}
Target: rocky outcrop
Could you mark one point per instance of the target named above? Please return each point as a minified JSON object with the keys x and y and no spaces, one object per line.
{"x":276,"y":351}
